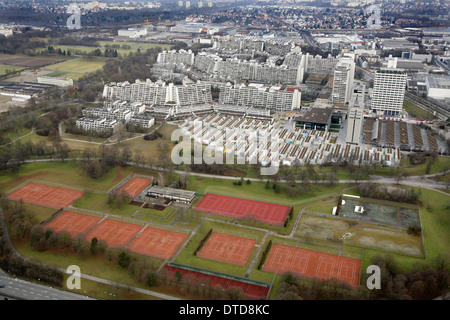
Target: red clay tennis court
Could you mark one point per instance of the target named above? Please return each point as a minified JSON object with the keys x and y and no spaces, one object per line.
{"x":227,"y":248}
{"x":114,"y":233}
{"x":135,"y":186}
{"x":46,"y":196}
{"x":72,"y":222}
{"x":284,"y":258}
{"x":242,"y":208}
{"x":252,"y":291}
{"x":157,"y":243}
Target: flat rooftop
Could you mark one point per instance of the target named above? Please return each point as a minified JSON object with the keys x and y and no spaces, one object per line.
{"x":178,"y":193}
{"x":316,"y":115}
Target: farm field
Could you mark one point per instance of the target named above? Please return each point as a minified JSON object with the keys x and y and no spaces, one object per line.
{"x":19,"y":60}
{"x":123,"y":48}
{"x":76,"y":68}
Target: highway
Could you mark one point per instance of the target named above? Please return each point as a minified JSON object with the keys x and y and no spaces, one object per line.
{"x":24,"y":290}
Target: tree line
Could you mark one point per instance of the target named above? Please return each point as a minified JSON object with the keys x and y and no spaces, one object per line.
{"x":422,"y":282}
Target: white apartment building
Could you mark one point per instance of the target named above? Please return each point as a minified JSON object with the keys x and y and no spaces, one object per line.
{"x":133,"y":33}
{"x":97,"y":125}
{"x":143,"y":121}
{"x":389,"y":90}
{"x":60,"y":82}
{"x":175,"y":57}
{"x":158,"y":93}
{"x":278,"y":99}
{"x":344,"y":73}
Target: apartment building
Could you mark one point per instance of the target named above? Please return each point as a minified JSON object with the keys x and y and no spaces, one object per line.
{"x":158,"y":93}
{"x":97,"y":125}
{"x":274,"y":98}
{"x":389,"y":89}
{"x":176,"y":57}
{"x":60,"y":82}
{"x":344,"y":73}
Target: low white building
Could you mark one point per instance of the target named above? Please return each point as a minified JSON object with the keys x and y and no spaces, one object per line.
{"x":132,"y":32}
{"x":97,"y":125}
{"x":60,"y":82}
{"x":438,"y":87}
{"x":143,"y":121}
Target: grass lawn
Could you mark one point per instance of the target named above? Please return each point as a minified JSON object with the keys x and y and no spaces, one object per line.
{"x":92,"y":265}
{"x":68,"y":174}
{"x":416,"y":111}
{"x":436,"y":231}
{"x":123,"y":49}
{"x":4,"y":69}
{"x":257,"y":190}
{"x":76,"y":68}
{"x":98,"y":202}
{"x":323,"y":206}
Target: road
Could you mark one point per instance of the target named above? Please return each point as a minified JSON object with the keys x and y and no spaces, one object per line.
{"x":20,"y":289}
{"x":413,"y":181}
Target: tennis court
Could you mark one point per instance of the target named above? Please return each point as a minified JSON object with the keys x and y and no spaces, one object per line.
{"x":157,"y":243}
{"x":380,"y":212}
{"x":310,"y":263}
{"x":45,"y":195}
{"x":72,"y":222}
{"x":251,"y":289}
{"x":227,"y":248}
{"x":135,"y":186}
{"x":114,"y":233}
{"x":264,"y":212}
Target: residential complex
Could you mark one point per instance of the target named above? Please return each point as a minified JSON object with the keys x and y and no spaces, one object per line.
{"x":389,"y":90}
{"x":277,"y":99}
{"x":344,"y":73}
{"x":158,"y":93}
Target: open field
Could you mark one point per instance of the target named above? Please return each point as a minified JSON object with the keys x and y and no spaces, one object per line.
{"x":24,"y":61}
{"x":123,"y":48}
{"x":76,"y":68}
{"x":416,"y":111}
{"x":4,"y":69}
{"x":362,"y":235}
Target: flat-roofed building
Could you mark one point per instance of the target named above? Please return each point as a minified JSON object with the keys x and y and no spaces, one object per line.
{"x":344,"y":73}
{"x":315,"y":119}
{"x":438,"y":87}
{"x":179,"y":195}
{"x":60,"y":82}
{"x":389,"y":90}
